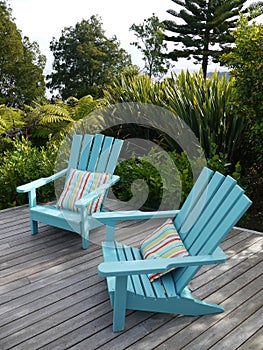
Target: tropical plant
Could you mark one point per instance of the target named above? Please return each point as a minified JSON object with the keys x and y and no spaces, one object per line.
{"x":85,"y":60}
{"x":150,"y":41}
{"x":134,"y":88}
{"x":48,"y":119}
{"x":205,"y":105}
{"x":57,"y":118}
{"x":21,"y":64}
{"x":203,"y":28}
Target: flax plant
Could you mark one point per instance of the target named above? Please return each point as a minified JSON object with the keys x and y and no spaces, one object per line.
{"x":206,"y":106}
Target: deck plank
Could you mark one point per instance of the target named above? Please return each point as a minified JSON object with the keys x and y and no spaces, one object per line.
{"x":255,"y":342}
{"x":51,"y":296}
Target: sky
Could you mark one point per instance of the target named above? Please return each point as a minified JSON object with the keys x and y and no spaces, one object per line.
{"x":41,"y":20}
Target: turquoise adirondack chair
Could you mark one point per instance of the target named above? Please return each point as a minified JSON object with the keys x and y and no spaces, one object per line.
{"x":210,"y":211}
{"x":95,"y":154}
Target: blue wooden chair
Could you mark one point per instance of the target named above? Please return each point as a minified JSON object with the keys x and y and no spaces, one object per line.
{"x":96,"y":154}
{"x":212,"y":208}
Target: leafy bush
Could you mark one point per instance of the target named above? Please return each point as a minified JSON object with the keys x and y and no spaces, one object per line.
{"x":178,"y":186}
{"x":245,"y":63}
{"x":22,"y":164}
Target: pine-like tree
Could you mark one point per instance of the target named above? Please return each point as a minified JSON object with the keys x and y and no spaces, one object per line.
{"x":202,"y":28}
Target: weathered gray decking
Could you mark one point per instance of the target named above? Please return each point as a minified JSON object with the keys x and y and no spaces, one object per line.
{"x":51,"y":296}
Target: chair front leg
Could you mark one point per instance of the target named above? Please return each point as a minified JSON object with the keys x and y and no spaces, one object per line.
{"x":85,"y":228}
{"x":34,"y":227}
{"x":119,"y":307}
{"x":32,"y":203}
{"x":110,"y":231}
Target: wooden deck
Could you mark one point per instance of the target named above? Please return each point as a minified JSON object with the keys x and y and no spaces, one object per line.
{"x":51,"y":296}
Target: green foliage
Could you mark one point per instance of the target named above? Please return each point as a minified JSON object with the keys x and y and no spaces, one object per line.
{"x":22,"y":164}
{"x":5,"y":144}
{"x":203,"y":28}
{"x":245,"y":62}
{"x":205,"y":105}
{"x":137,"y":88}
{"x":150,"y":41}
{"x":134,"y":169}
{"x":85,"y":105}
{"x":10,"y":118}
{"x":21,"y":64}
{"x":58,"y":117}
{"x":3,"y":126}
{"x":85,"y":60}
{"x":159,"y":192}
{"x":48,"y":119}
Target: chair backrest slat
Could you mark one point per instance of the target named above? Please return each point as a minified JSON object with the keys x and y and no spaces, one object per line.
{"x":222,"y":204}
{"x":198,"y":189}
{"x":104,"y":155}
{"x":183,"y":276}
{"x":95,"y":154}
{"x":85,"y":152}
{"x":218,"y":215}
{"x":206,"y":208}
{"x":113,"y":158}
{"x":74,"y":152}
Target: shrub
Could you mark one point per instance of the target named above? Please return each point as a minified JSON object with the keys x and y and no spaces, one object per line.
{"x":22,"y":164}
{"x":179,"y":184}
{"x":246,"y":67}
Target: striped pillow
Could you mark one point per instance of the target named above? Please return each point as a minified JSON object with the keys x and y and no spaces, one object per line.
{"x":164,"y":242}
{"x":78,"y":184}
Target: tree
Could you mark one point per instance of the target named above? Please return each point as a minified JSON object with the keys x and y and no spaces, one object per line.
{"x":151,"y":36}
{"x":21,"y":64}
{"x":246,"y":66}
{"x":203,"y":28}
{"x":85,"y":60}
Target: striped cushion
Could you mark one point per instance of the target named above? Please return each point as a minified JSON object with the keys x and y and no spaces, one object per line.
{"x":78,"y":184}
{"x":164,"y":242}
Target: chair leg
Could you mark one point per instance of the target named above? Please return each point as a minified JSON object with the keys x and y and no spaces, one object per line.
{"x":34,"y":227}
{"x":85,"y":228}
{"x":119,"y":307}
{"x":85,"y":242}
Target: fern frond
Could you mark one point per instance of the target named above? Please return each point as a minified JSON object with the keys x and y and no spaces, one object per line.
{"x":55,"y":110}
{"x":54,"y":118}
{"x":2,"y":123}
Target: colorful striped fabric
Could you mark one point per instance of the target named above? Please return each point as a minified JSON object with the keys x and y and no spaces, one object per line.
{"x":164,"y":242}
{"x":78,"y":184}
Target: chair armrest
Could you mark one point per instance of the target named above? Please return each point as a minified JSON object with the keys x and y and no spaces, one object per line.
{"x":133,"y":215}
{"x":90,"y":197}
{"x":138,"y":267}
{"x":39,"y":182}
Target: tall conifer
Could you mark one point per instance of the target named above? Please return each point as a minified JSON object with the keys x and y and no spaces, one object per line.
{"x":201,"y":29}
